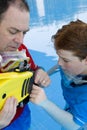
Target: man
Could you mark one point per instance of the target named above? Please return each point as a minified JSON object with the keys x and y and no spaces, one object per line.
{"x":70,"y":43}
{"x":14,"y":23}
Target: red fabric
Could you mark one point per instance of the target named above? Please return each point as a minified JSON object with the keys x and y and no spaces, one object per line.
{"x":34,"y":67}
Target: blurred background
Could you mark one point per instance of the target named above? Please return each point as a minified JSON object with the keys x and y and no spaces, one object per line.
{"x":46,"y":17}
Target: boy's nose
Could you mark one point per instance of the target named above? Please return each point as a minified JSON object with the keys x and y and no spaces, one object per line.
{"x":60,"y":62}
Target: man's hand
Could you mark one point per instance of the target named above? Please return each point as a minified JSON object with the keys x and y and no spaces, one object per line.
{"x":8,"y":112}
{"x":42,"y":78}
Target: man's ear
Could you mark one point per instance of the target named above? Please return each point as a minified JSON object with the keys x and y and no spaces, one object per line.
{"x":86,"y":60}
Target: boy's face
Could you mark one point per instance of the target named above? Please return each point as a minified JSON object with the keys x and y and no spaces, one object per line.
{"x":12,"y":29}
{"x":71,"y":64}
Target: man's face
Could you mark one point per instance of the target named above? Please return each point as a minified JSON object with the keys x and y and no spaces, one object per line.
{"x":12,"y":29}
{"x":71,"y":64}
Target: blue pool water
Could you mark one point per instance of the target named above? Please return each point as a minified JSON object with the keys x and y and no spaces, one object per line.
{"x":46,"y":17}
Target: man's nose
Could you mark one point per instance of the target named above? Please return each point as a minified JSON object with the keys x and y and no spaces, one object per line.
{"x":19,"y":37}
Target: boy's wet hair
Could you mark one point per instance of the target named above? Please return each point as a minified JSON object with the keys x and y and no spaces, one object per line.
{"x":72,"y":37}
